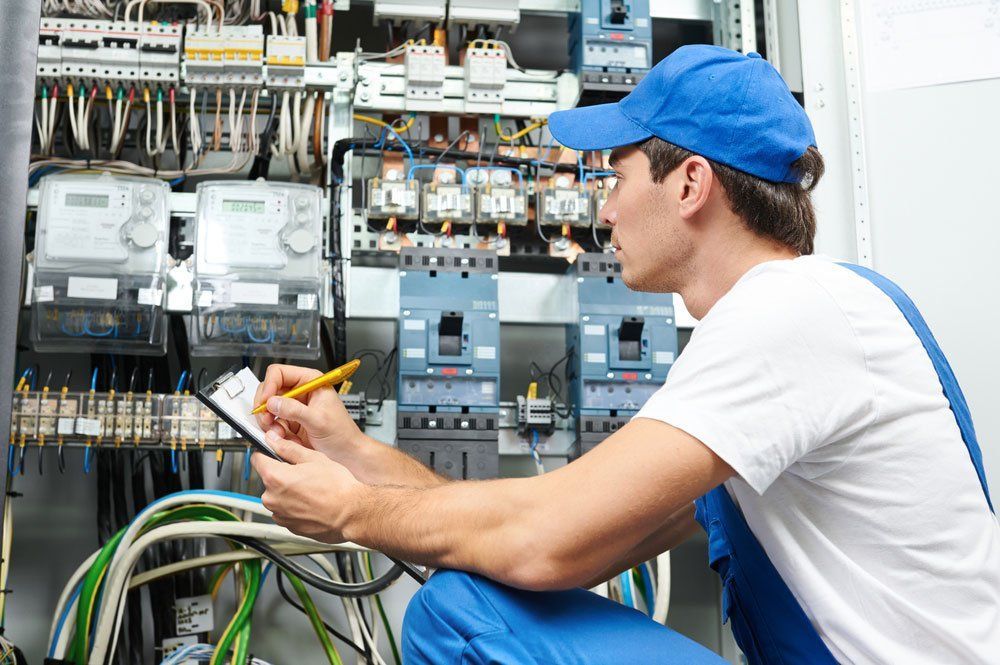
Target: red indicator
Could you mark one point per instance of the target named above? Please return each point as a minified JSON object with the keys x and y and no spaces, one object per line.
{"x":449,"y":371}
{"x":630,"y":376}
{"x":617,"y":36}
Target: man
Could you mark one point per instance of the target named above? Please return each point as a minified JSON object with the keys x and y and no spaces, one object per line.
{"x":853,"y":523}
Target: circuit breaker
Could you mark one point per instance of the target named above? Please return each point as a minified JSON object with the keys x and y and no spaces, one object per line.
{"x":624,"y":344}
{"x":611,"y":46}
{"x":99,"y":265}
{"x":485,"y":78}
{"x":425,"y":73}
{"x":258,"y":269}
{"x":449,"y":360}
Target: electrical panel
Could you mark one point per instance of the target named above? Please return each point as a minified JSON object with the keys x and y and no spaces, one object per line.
{"x":257,"y":269}
{"x":494,"y":14}
{"x":485,"y":78}
{"x":624,"y":344}
{"x":286,"y":61}
{"x":425,"y":73}
{"x":231,"y":57}
{"x":99,"y":264}
{"x":449,"y":360}
{"x":611,"y":47}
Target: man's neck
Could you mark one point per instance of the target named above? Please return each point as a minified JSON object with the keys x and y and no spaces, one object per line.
{"x":720,"y":266}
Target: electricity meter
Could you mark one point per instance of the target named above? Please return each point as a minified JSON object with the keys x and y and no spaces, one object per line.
{"x":393,"y":197}
{"x":563,"y":203}
{"x":257,"y":269}
{"x":100,"y":264}
{"x":499,"y":198}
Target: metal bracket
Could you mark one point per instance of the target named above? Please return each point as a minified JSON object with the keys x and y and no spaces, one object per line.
{"x":855,"y":122}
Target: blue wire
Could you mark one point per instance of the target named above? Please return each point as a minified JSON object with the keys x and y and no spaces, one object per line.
{"x":246,"y":464}
{"x":180,"y":382}
{"x":10,"y":458}
{"x":86,"y":460}
{"x":173,"y":460}
{"x":406,"y":146}
{"x":579,"y":161}
{"x":420,"y":167}
{"x":626,"y":588}
{"x":93,"y":380}
{"x":177,"y":181}
{"x":154,"y":506}
{"x":62,"y":619}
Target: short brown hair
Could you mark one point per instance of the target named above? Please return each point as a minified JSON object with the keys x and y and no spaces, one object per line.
{"x":782,"y":211}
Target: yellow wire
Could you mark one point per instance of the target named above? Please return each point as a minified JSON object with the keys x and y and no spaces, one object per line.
{"x":381,"y":123}
{"x":513,"y":137}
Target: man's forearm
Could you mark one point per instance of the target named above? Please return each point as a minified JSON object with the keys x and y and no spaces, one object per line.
{"x":675,"y":531}
{"x":376,"y":463}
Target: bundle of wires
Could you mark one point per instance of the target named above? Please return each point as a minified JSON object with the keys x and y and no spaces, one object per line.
{"x":91,"y":608}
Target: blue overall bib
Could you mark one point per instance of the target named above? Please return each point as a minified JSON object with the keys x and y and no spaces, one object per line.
{"x":461,"y":618}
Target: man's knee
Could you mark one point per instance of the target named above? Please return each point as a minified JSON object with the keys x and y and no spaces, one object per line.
{"x":450,"y":610}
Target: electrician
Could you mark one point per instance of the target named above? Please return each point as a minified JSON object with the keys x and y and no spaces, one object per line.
{"x":811,"y":425}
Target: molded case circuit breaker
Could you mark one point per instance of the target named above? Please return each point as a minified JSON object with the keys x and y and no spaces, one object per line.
{"x":449,"y":363}
{"x":625,"y":343}
{"x":611,"y":47}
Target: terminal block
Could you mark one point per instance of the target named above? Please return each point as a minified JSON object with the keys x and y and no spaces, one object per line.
{"x":485,"y":78}
{"x":563,"y":203}
{"x":447,"y":202}
{"x":286,"y":62}
{"x":393,"y":197}
{"x":186,"y":421}
{"x":425,"y":73}
{"x":536,"y":414}
{"x":44,"y":416}
{"x":357,"y":407}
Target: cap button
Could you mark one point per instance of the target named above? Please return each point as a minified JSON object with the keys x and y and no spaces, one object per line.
{"x":753,"y":54}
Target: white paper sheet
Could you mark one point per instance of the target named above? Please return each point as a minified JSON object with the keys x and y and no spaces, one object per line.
{"x":914,"y":43}
{"x":235,"y":399}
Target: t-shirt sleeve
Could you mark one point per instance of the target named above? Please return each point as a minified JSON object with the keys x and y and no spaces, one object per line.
{"x":771,"y":375}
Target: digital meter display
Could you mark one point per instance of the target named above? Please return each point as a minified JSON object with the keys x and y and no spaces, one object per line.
{"x":77,"y":200}
{"x":250,"y":207}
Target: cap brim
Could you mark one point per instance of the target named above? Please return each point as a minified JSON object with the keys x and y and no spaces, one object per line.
{"x":599,"y":127}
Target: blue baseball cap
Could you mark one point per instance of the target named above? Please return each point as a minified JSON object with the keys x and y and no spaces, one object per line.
{"x":728,"y":107}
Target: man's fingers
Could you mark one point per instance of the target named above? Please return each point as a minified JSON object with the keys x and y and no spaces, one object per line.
{"x":294,"y":410}
{"x":279,"y":379}
{"x":291,"y":452}
{"x":264,"y":466}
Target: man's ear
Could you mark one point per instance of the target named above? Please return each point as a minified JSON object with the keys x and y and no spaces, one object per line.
{"x":694,"y":185}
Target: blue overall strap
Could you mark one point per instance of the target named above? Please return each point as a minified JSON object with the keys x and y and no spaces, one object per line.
{"x":949,"y":383}
{"x":767,"y":621}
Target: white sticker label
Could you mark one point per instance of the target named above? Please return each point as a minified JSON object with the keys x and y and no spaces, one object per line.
{"x":595,"y":358}
{"x":591,"y":329}
{"x":205,"y":299}
{"x":486,"y":352}
{"x":253,"y":293}
{"x":173,"y":644}
{"x":150,"y":297}
{"x":44,"y":294}
{"x":98,"y":288}
{"x":306,"y":301}
{"x":663,"y":357}
{"x":246,"y":241}
{"x":414,"y":324}
{"x":415,"y":352}
{"x":66,"y":427}
{"x":194,"y":615}
{"x":488,"y":387}
{"x":88,"y":426}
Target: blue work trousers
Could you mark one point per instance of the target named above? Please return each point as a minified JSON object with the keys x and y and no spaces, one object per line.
{"x":462,"y":618}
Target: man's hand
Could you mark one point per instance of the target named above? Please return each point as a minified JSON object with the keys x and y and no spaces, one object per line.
{"x":317,"y":420}
{"x":320,"y":421}
{"x":311,"y":495}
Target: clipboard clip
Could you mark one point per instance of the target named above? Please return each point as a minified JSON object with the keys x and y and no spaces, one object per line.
{"x":230,"y":383}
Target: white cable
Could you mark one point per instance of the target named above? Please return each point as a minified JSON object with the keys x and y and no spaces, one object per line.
{"x":312,"y":50}
{"x":305,"y":124}
{"x":252,"y":139}
{"x":291,"y":29}
{"x":296,"y":123}
{"x":67,"y":591}
{"x":52,"y":123}
{"x":662,"y":605}
{"x":71,"y":99}
{"x":173,"y":129}
{"x":161,"y":139}
{"x":85,"y":120}
{"x":116,"y":126}
{"x":194,"y":124}
{"x":117,"y":579}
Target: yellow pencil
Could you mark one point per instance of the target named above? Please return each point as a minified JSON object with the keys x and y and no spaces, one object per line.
{"x":331,"y":378}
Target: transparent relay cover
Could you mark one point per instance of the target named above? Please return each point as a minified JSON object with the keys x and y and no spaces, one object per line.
{"x":393,"y":198}
{"x":100,"y":261}
{"x":447,"y":202}
{"x":565,"y":205}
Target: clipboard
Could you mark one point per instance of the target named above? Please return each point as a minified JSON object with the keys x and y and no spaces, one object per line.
{"x":230,"y":397}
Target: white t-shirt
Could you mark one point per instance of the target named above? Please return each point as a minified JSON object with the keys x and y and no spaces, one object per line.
{"x":852,"y":473}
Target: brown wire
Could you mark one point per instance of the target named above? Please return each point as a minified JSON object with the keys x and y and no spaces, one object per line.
{"x":318,"y":113}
